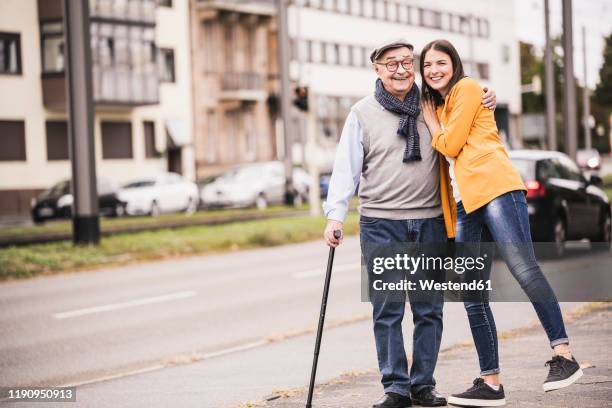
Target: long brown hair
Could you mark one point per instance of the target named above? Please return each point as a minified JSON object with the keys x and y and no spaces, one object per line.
{"x":446,"y":47}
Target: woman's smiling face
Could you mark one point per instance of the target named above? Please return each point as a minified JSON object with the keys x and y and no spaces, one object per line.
{"x":437,"y":70}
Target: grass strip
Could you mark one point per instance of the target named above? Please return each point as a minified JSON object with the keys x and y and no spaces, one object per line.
{"x":121,"y":249}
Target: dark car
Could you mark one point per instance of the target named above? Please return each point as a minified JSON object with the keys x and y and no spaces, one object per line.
{"x":563,"y":204}
{"x":56,"y":202}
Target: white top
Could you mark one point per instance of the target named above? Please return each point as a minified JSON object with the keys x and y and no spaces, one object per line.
{"x":451,"y":170}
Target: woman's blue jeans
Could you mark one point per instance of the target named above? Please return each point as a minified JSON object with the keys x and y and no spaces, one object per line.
{"x":505,"y":221}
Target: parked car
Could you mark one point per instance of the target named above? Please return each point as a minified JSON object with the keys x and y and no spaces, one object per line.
{"x":56,"y":202}
{"x":256,"y":184}
{"x":324,"y":180}
{"x":588,"y":159}
{"x":165,"y":192}
{"x":563,"y":204}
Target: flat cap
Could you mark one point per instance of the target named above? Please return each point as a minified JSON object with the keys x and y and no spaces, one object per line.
{"x":388,"y":45}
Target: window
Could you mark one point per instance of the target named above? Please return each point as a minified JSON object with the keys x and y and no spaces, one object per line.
{"x":331,"y":54}
{"x":569,"y":170}
{"x":344,"y":55}
{"x":317,"y":52}
{"x":165,"y":3}
{"x":483,"y":70}
{"x":359,"y":58}
{"x":392,"y":11}
{"x":117,"y":140}
{"x":343,"y":6}
{"x":53,"y":52}
{"x":430,"y":18}
{"x":211,"y":137}
{"x":303,"y":51}
{"x":368,"y":8}
{"x":329,"y":5}
{"x":356,"y":7}
{"x":483,"y":28}
{"x":10,"y":54}
{"x":404,"y":14}
{"x":380,"y":9}
{"x":166,"y":68}
{"x":149,"y":139}
{"x":12,"y":140}
{"x":57,"y":140}
{"x":209,"y":46}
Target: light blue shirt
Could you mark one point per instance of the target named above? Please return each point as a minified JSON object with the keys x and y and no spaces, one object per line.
{"x":347,"y":170}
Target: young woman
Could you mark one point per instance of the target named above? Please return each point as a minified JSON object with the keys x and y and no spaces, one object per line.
{"x":491,"y":206}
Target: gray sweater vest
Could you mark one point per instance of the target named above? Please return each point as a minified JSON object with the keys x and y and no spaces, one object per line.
{"x":390,"y":188}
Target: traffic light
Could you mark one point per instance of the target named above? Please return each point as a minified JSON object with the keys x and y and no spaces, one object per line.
{"x":301,"y":98}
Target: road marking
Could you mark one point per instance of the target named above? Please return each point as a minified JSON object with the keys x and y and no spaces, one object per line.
{"x":124,"y":305}
{"x":188,"y":358}
{"x":320,"y":271}
{"x":114,"y":376}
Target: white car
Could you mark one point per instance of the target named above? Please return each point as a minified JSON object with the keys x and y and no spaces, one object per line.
{"x":257,"y":184}
{"x":166,"y":192}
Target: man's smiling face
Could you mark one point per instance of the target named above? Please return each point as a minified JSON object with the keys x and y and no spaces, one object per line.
{"x":400,"y":82}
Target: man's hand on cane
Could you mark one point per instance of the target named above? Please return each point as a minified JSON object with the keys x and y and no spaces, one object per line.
{"x":333,"y":225}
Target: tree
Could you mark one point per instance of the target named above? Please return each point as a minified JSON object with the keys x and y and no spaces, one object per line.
{"x":601,"y":101}
{"x":603,"y":91}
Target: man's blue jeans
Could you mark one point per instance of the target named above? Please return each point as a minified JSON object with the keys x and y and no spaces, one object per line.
{"x":388,"y":314}
{"x":505,"y":221}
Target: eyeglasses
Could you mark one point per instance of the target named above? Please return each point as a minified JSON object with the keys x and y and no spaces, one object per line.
{"x":392,"y":66}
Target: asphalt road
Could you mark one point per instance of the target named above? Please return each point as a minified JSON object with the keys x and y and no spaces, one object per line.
{"x":209,"y":331}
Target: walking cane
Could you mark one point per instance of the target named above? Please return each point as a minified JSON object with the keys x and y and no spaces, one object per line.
{"x":313,"y":373}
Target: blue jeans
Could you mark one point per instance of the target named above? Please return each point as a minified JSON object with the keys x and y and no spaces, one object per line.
{"x":505,"y":221}
{"x":388,"y":314}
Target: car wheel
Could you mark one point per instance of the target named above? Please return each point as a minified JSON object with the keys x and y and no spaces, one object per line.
{"x":298,"y":200}
{"x":604,"y":238}
{"x":192,"y":206}
{"x":119,"y":210}
{"x":154,"y":209}
{"x":260,"y":202}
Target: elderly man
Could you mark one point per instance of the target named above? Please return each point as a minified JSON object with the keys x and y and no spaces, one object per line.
{"x":385,"y":148}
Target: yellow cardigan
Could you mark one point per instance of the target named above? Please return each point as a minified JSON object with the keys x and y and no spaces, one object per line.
{"x":483,"y":170}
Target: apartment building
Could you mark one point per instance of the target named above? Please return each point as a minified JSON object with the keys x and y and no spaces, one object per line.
{"x":141,"y":75}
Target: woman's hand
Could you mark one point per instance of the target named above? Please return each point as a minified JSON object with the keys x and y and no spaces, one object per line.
{"x":430,"y":116}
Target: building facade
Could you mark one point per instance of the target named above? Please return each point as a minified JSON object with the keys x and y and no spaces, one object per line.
{"x":141,"y":75}
{"x":235,"y":81}
{"x":332,"y":40}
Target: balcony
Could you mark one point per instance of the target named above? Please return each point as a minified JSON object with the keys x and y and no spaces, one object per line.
{"x":245,"y":86}
{"x":257,"y":7}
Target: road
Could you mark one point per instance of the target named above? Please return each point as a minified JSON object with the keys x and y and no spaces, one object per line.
{"x":209,"y":331}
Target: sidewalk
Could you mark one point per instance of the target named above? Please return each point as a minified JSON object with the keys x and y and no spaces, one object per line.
{"x":522,"y":355}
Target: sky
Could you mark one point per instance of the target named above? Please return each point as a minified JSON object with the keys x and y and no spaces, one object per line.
{"x":595,"y":15}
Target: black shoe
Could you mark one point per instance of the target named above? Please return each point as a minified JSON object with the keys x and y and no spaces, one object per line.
{"x":480,"y":395}
{"x":393,"y":400}
{"x":563,"y":372}
{"x":428,"y":397}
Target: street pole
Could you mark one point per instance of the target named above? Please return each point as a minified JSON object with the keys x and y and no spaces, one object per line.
{"x":285,"y":92}
{"x":569,"y":100}
{"x":313,"y":168}
{"x":586,"y":104}
{"x":85,"y":218}
{"x":551,"y":123}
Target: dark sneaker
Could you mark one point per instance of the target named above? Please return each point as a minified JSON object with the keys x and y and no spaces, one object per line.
{"x":428,"y":397}
{"x":393,"y":400}
{"x":480,"y":395}
{"x":562,"y":373}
